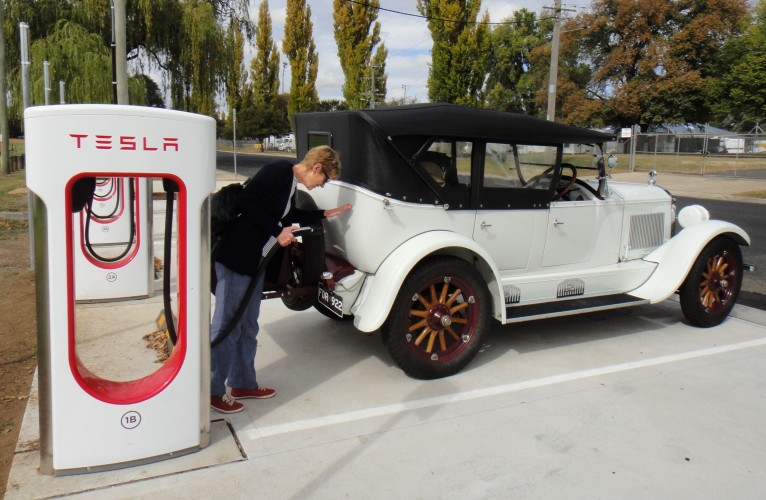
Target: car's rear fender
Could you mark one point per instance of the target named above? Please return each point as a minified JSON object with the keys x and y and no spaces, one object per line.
{"x":380,"y":289}
{"x":676,"y":257}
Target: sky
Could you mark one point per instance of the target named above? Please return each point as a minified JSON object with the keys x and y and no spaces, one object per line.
{"x":406,"y":37}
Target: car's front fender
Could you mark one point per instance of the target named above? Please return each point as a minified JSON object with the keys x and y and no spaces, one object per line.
{"x":380,"y":289}
{"x":676,"y":257}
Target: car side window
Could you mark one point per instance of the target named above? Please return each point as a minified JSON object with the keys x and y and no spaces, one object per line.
{"x":536,"y":166}
{"x":516,"y":176}
{"x":448,"y":163}
{"x":518,"y":166}
{"x":501,"y":166}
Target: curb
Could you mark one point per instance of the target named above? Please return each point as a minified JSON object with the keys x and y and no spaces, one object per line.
{"x":14,"y":215}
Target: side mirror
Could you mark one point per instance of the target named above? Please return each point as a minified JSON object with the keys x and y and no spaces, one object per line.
{"x":611,"y":161}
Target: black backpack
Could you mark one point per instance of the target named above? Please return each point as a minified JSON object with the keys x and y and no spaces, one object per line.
{"x":224,"y":209}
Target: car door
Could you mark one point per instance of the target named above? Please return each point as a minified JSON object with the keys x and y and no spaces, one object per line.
{"x":512,"y":202}
{"x":570,"y":234}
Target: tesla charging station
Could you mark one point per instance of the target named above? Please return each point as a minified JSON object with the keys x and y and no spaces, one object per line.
{"x":90,"y":422}
{"x":114,"y":234}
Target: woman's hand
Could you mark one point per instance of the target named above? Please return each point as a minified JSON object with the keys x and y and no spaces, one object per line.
{"x":286,"y":236}
{"x":332,"y":212}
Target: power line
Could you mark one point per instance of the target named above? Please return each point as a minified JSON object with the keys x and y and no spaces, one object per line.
{"x":365,"y":4}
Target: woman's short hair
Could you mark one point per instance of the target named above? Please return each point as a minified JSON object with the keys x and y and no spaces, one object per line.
{"x":327,"y":156}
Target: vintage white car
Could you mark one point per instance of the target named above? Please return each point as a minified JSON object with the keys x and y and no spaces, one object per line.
{"x":463,"y":215}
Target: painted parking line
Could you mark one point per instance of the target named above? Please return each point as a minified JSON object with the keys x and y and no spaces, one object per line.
{"x":381,"y":411}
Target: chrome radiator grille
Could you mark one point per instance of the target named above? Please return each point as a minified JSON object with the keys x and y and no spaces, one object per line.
{"x":646,"y":231}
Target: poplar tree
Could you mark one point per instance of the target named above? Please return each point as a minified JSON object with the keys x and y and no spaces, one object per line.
{"x":460,"y":50}
{"x":298,"y":45}
{"x":264,"y":75}
{"x":357,"y":34}
{"x":235,"y":78}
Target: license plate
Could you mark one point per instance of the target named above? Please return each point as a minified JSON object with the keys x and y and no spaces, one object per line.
{"x":330,"y":299}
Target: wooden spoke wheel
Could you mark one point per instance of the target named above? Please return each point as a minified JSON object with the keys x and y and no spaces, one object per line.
{"x":438,"y":319}
{"x":712,"y":287}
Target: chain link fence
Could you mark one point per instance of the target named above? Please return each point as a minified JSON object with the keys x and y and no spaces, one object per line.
{"x":734,"y":155}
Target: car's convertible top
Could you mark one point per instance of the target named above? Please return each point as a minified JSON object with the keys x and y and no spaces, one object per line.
{"x":451,"y":120}
{"x":378,"y":145}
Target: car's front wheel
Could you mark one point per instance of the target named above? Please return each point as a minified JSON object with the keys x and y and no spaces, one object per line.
{"x":712,"y":286}
{"x":436,"y":325}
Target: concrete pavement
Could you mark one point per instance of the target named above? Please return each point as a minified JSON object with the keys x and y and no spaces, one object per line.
{"x":622,"y":404}
{"x":630,"y":403}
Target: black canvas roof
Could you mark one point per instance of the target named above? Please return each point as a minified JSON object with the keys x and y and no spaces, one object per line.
{"x":451,"y":120}
{"x":377,"y":146}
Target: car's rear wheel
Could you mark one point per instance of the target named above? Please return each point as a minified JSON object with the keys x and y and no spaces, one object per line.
{"x":436,"y":325}
{"x":712,"y":287}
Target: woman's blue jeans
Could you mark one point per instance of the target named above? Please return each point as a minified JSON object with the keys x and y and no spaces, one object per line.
{"x":232,"y":361}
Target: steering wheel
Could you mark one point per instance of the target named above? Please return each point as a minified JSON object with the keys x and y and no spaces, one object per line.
{"x":568,"y":187}
{"x":548,"y":171}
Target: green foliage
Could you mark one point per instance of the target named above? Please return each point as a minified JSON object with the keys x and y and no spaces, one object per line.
{"x":332,"y":105}
{"x":184,"y":39}
{"x":262,"y":111}
{"x":357,"y":33}
{"x":510,"y":84}
{"x":77,"y":57}
{"x":460,"y":49}
{"x":235,"y":78}
{"x":298,"y":45}
{"x":738,"y":97}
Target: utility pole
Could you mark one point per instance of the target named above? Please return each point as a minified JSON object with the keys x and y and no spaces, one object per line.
{"x":5,"y":158}
{"x":372,"y":94}
{"x":554,"y":72}
{"x":404,"y":93}
{"x":284,"y":67}
{"x":113,"y":48}
{"x":120,"y":46}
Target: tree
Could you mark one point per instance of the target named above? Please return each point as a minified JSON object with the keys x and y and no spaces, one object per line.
{"x":182,"y":38}
{"x":738,"y":97}
{"x":264,"y":75}
{"x":298,"y":45}
{"x":235,"y":79}
{"x":460,"y":50}
{"x":510,"y":84}
{"x":77,"y":57}
{"x":652,"y":60}
{"x":357,"y":34}
{"x":331,"y":105}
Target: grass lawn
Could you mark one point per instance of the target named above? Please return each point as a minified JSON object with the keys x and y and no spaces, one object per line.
{"x":13,"y":195}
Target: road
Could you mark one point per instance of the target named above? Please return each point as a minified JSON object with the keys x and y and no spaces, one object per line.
{"x":247,"y":163}
{"x":746,"y":215}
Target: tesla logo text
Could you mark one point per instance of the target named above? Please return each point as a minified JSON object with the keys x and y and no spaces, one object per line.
{"x":125,"y":142}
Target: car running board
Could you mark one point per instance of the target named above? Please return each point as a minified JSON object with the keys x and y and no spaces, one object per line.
{"x":516,"y":314}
